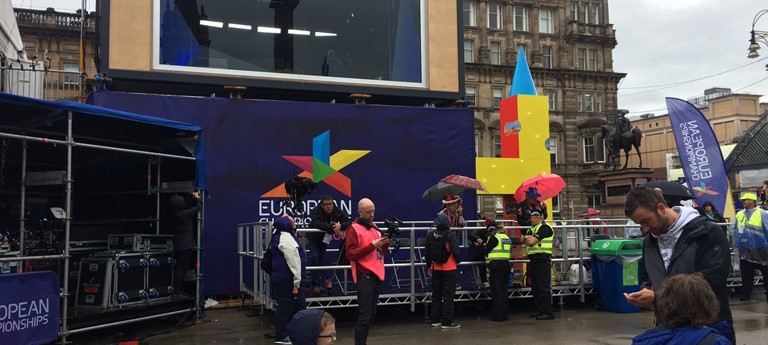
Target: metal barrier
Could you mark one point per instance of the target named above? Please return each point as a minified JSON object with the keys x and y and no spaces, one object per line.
{"x":41,"y":83}
{"x":254,"y":237}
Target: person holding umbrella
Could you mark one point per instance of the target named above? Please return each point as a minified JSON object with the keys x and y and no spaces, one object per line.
{"x":530,"y":204}
{"x":452,"y":208}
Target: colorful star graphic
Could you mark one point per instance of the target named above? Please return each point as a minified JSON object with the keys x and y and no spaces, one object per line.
{"x":321,"y":166}
{"x":704,"y":189}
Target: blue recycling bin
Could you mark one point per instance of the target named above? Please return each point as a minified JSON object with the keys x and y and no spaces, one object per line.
{"x":616,"y":270}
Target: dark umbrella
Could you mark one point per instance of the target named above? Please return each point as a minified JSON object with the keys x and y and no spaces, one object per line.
{"x":671,"y":189}
{"x":589,"y":212}
{"x":440,"y":190}
{"x":461,"y":180}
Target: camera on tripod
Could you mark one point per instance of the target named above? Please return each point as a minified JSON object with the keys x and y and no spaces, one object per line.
{"x":297,"y":187}
{"x":393,"y":227}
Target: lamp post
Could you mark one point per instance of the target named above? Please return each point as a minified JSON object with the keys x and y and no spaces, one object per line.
{"x":757,"y":37}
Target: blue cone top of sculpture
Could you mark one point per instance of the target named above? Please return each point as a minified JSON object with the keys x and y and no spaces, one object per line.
{"x":522,"y":82}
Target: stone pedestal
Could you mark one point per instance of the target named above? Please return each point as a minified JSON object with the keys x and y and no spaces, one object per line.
{"x":617,"y":184}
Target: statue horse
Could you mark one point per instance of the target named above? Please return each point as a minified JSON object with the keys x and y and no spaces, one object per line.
{"x":615,"y":141}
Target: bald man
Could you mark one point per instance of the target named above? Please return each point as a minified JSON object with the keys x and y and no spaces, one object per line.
{"x":365,"y":252}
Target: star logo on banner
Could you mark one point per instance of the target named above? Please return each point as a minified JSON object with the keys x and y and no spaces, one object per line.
{"x":321,"y":166}
{"x":704,"y":189}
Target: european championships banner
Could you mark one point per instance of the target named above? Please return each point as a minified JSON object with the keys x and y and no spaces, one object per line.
{"x":700,"y":154}
{"x":29,"y":308}
{"x":390,"y":154}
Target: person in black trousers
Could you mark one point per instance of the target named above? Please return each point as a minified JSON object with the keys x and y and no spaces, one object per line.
{"x":182,"y":224}
{"x":497,"y":258}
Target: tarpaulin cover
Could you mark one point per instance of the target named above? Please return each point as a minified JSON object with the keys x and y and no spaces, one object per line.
{"x":101,"y":126}
{"x":387,"y":153}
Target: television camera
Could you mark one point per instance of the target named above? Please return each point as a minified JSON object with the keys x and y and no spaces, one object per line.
{"x":297,"y":188}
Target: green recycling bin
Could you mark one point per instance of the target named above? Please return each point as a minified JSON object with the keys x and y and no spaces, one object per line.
{"x":616,"y":270}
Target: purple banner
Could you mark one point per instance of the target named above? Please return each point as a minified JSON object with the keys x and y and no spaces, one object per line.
{"x":700,"y":154}
{"x":29,"y":308}
{"x":390,"y":154}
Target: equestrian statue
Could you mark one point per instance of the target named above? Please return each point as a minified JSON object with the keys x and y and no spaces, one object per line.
{"x":621,"y":137}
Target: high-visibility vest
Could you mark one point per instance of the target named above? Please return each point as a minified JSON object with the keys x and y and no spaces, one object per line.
{"x":543,"y":247}
{"x":753,"y":225}
{"x":502,"y":250}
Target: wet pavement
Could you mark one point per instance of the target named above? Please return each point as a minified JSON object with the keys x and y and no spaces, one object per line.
{"x":576,"y":323}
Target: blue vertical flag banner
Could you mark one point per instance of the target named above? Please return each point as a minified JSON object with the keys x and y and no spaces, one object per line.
{"x":29,"y":308}
{"x":700,"y":154}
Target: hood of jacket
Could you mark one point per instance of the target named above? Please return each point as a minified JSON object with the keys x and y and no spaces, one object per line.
{"x":680,"y":336}
{"x":304,"y":328}
{"x":282,"y":224}
{"x":177,"y":202}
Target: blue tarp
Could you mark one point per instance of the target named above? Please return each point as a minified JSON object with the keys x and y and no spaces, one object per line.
{"x":103,"y":126}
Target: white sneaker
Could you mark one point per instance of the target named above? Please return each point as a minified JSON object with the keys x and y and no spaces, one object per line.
{"x":435,"y":324}
{"x":286,"y":341}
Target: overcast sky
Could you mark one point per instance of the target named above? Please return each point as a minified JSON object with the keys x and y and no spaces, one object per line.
{"x":667,"y":48}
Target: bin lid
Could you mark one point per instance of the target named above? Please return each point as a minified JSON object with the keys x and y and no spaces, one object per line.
{"x":616,"y":247}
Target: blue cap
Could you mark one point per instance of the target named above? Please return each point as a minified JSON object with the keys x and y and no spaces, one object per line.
{"x":442,"y":222}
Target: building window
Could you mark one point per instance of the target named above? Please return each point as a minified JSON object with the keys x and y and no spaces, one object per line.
{"x":556,"y":203}
{"x":553,"y":150}
{"x":579,"y":103}
{"x":599,"y":107}
{"x":600,"y":150}
{"x":593,"y":59}
{"x":470,"y":93}
{"x":582,"y":63}
{"x":546,"y":56}
{"x":469,"y":51}
{"x":552,"y":96}
{"x":583,"y":14}
{"x":546,"y":21}
{"x":588,"y":102}
{"x":594,"y":200}
{"x":72,"y":77}
{"x":521,"y":19}
{"x":469,"y":13}
{"x":498,"y":94}
{"x":477,"y":144}
{"x":495,"y":53}
{"x":589,"y":150}
{"x":595,"y":14}
{"x":494,"y":16}
{"x":574,"y":11}
{"x":497,"y":144}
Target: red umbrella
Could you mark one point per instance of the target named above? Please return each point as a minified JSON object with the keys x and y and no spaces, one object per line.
{"x":589,"y":212}
{"x":461,"y":180}
{"x":542,"y":186}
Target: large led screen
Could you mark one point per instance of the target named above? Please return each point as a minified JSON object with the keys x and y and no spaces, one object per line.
{"x":377,"y":42}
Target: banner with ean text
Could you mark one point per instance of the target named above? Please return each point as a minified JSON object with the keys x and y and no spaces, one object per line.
{"x":29,"y":308}
{"x":700,"y":154}
{"x":390,"y":154}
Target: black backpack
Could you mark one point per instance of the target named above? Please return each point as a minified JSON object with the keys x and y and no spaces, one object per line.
{"x":266,"y":262}
{"x":436,"y":247}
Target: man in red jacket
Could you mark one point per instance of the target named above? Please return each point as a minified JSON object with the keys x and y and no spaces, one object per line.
{"x":365,"y":252}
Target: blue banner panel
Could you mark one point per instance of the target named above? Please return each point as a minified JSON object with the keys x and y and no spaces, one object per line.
{"x":386,"y":153}
{"x":699,"y":152}
{"x":29,"y":308}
